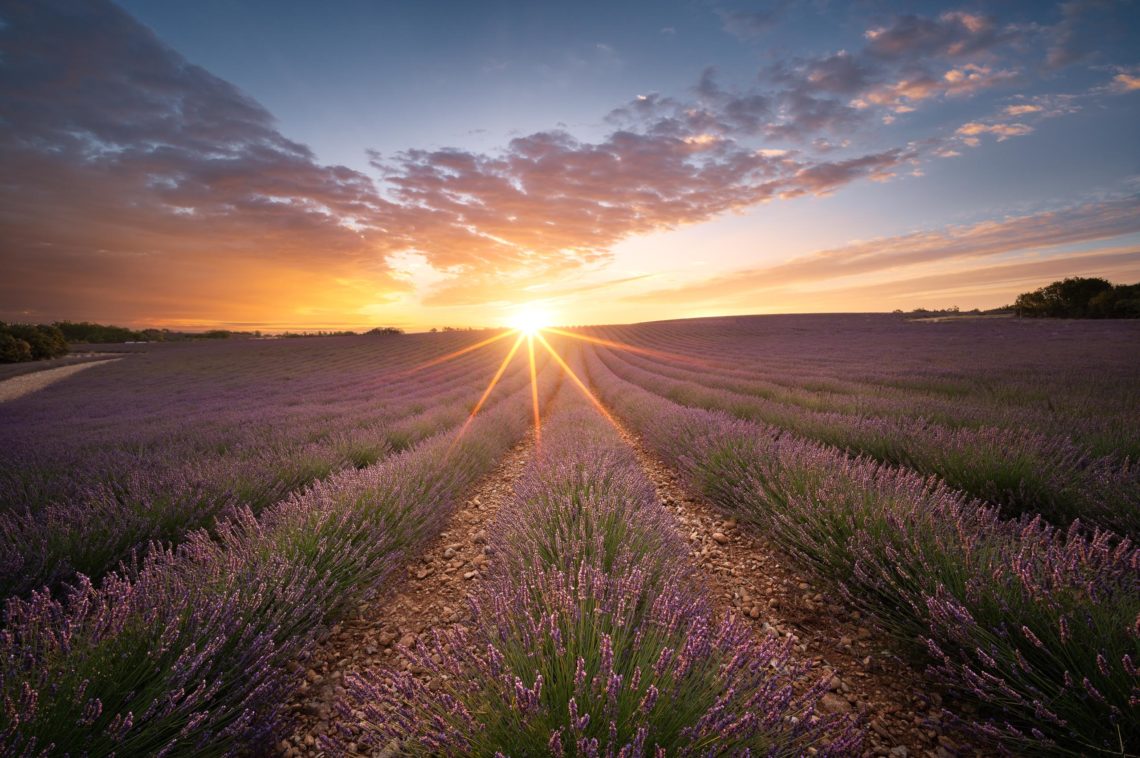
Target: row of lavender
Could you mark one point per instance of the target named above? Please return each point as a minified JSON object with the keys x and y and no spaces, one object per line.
{"x":1008,"y":373}
{"x":970,"y":402}
{"x":195,"y":401}
{"x":1041,"y":627}
{"x":1021,"y":470}
{"x":85,"y":493}
{"x":194,"y":651}
{"x":591,"y":637}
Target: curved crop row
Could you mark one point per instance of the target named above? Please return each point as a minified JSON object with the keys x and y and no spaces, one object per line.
{"x":164,"y":497}
{"x":193,"y":652}
{"x":1029,"y":368}
{"x":592,"y":639}
{"x":784,"y":392}
{"x":1041,"y":627}
{"x":1022,"y":471}
{"x":159,"y":411}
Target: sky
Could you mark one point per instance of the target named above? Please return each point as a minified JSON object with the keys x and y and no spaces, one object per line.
{"x":276,"y":164}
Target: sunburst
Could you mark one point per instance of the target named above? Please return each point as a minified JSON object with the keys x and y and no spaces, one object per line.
{"x":528,"y":324}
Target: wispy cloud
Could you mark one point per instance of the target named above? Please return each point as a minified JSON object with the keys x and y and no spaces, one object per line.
{"x":129,"y":170}
{"x":176,"y":182}
{"x":1088,"y":222}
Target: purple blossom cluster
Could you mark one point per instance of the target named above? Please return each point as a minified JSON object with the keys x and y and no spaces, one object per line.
{"x":591,"y":638}
{"x":85,"y":481}
{"x":1041,"y":626}
{"x":1023,"y":471}
{"x":192,"y":649}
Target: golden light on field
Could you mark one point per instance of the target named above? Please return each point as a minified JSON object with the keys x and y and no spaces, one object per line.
{"x":527,"y":324}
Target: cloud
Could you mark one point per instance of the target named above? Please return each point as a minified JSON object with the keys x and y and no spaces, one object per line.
{"x":1125,"y":81}
{"x":1085,"y":223}
{"x":839,"y":73}
{"x":901,"y":96}
{"x":124,"y":164}
{"x":1087,"y":28}
{"x":1001,"y":131}
{"x":824,"y":178}
{"x":1009,"y":279}
{"x":172,"y":179}
{"x":178,"y":184}
{"x":902,"y":65}
{"x":952,"y":34}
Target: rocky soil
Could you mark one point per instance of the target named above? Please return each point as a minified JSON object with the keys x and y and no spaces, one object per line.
{"x":431,"y":595}
{"x":747,"y":577}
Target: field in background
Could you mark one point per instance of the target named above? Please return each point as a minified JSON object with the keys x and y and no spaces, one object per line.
{"x":180,"y":527}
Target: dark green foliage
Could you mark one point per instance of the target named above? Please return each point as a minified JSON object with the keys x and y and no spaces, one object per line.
{"x":101,"y":334}
{"x":321,"y":333}
{"x":30,"y":342}
{"x":1081,"y":297}
{"x":13,"y":350}
{"x":85,"y":331}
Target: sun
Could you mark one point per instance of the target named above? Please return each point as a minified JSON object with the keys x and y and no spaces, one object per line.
{"x":530,"y":319}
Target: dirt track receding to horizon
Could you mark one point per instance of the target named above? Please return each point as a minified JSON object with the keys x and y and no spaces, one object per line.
{"x":18,"y":386}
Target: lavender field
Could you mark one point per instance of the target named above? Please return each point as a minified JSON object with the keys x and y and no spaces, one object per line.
{"x":777,"y":535}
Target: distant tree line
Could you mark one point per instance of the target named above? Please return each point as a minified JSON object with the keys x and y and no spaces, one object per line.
{"x":954,"y":310}
{"x":98,"y":334}
{"x":344,"y":333}
{"x":30,"y":342}
{"x":1081,"y":297}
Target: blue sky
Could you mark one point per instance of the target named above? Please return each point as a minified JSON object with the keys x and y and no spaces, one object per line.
{"x":615,"y":161}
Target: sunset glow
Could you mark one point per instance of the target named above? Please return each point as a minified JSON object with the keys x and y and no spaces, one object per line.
{"x":530,"y":319}
{"x":566,"y":378}
{"x":269,"y":171}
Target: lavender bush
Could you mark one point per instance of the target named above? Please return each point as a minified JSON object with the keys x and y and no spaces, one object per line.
{"x":1040,"y":626}
{"x":72,"y":509}
{"x":192,"y":651}
{"x":1021,"y":470}
{"x":592,"y":640}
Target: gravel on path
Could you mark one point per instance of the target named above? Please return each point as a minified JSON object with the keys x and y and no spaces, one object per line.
{"x":432,"y":595}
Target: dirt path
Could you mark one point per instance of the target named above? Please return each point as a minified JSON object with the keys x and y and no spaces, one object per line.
{"x":746,"y":577}
{"x":751,"y":580}
{"x":18,"y":386}
{"x":433,"y":596}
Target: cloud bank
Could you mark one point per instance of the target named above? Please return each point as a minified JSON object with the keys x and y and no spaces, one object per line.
{"x":140,"y":186}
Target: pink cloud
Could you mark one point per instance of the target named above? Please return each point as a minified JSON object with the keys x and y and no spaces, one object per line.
{"x":887,"y":257}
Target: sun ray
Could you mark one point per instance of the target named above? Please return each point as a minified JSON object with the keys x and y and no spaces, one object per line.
{"x":581,"y":385}
{"x":534,"y":393}
{"x":457,"y":353}
{"x":630,"y":348}
{"x":490,"y":387}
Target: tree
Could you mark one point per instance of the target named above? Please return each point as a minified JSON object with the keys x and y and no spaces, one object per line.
{"x":1080,"y":297}
{"x":13,"y":349}
{"x":45,"y":340}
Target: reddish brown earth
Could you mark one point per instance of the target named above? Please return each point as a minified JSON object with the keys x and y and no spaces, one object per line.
{"x":746,"y":577}
{"x":752,"y":580}
{"x":432,"y":595}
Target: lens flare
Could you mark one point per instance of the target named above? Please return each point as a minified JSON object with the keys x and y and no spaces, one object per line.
{"x":530,"y":319}
{"x":527,"y":325}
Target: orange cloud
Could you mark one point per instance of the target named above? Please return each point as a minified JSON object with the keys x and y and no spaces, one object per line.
{"x":1078,"y":224}
{"x":1001,"y":131}
{"x":1126,"y":82}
